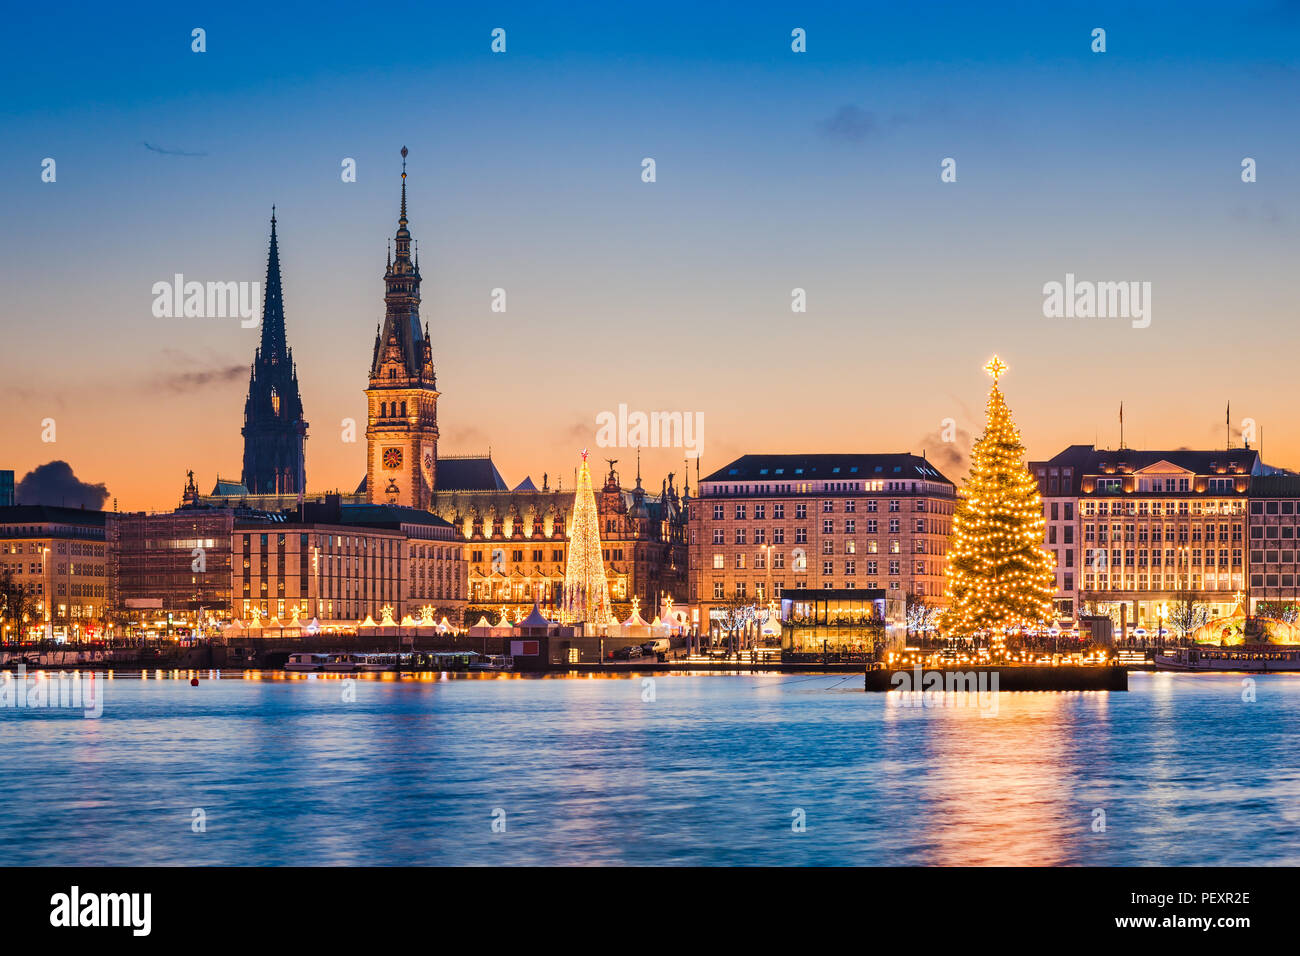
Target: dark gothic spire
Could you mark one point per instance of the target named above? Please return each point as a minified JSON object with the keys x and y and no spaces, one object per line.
{"x":273,"y":337}
{"x":274,"y":428}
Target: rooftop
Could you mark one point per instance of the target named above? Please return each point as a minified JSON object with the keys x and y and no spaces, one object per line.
{"x":849,"y":467}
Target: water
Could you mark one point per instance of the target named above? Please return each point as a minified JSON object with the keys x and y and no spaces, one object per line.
{"x":712,"y":771}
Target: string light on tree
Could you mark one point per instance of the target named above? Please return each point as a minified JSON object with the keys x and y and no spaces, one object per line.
{"x":586,"y":589}
{"x":999,"y":576}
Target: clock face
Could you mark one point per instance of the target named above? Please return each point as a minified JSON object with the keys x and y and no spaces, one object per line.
{"x":392,"y":458}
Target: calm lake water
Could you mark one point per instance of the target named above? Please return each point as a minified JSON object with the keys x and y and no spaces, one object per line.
{"x":713,"y":770}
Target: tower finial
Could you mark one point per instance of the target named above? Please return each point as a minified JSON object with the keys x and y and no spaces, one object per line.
{"x":273,"y":217}
{"x":403,"y":216}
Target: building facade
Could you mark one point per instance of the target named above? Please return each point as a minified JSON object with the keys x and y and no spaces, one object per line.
{"x":1151,"y":528}
{"x":60,"y":559}
{"x":275,"y":432}
{"x":766,"y":524}
{"x":516,"y":540}
{"x":340,"y":563}
{"x":1274,"y":559}
{"x":402,"y":399}
{"x":171,"y":570}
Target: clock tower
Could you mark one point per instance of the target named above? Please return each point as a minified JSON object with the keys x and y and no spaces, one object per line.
{"x":402,"y":399}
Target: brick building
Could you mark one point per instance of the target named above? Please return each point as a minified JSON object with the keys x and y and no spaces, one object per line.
{"x":765,"y":524}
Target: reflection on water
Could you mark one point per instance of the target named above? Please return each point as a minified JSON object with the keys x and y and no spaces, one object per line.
{"x":678,"y":769}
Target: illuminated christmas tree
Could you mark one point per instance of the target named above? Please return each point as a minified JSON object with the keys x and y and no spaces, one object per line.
{"x":999,"y":574}
{"x":586,"y":590}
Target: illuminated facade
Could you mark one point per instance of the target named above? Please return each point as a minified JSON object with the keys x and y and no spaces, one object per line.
{"x":843,"y":621}
{"x":59,"y":556}
{"x":171,"y":569}
{"x":516,"y":540}
{"x":1135,"y":531}
{"x":342,"y":563}
{"x":766,"y":524}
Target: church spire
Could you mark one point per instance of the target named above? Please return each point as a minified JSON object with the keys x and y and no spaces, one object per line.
{"x":274,"y":427}
{"x":273,"y":336}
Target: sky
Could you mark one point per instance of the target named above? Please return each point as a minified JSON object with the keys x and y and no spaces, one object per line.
{"x":774,"y":171}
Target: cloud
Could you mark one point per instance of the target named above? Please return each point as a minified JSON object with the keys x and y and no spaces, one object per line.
{"x":54,"y":484}
{"x":950,"y":457}
{"x":852,"y":124}
{"x":190,"y":373}
{"x":169,"y":152}
{"x":180,"y":382}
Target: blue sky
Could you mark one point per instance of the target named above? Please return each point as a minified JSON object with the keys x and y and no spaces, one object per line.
{"x":775,"y":170}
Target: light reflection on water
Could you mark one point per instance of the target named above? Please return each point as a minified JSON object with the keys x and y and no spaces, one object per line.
{"x":709,"y":772}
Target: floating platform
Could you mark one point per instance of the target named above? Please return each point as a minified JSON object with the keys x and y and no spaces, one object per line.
{"x":1012,"y":677}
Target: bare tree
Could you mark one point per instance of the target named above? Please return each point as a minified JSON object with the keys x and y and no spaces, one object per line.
{"x":1186,"y":614}
{"x":922,"y":616}
{"x":14,"y":601}
{"x":736,"y":612}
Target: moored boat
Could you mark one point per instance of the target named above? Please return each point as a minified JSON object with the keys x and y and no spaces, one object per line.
{"x":306,"y":662}
{"x":344,"y":663}
{"x":1262,"y":658}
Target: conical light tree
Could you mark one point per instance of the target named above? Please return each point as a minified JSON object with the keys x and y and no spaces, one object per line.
{"x":586,"y":590}
{"x":999,"y":576}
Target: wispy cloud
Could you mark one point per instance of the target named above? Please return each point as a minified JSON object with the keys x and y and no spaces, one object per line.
{"x":853,"y":124}
{"x":189,"y":373}
{"x":169,"y":152}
